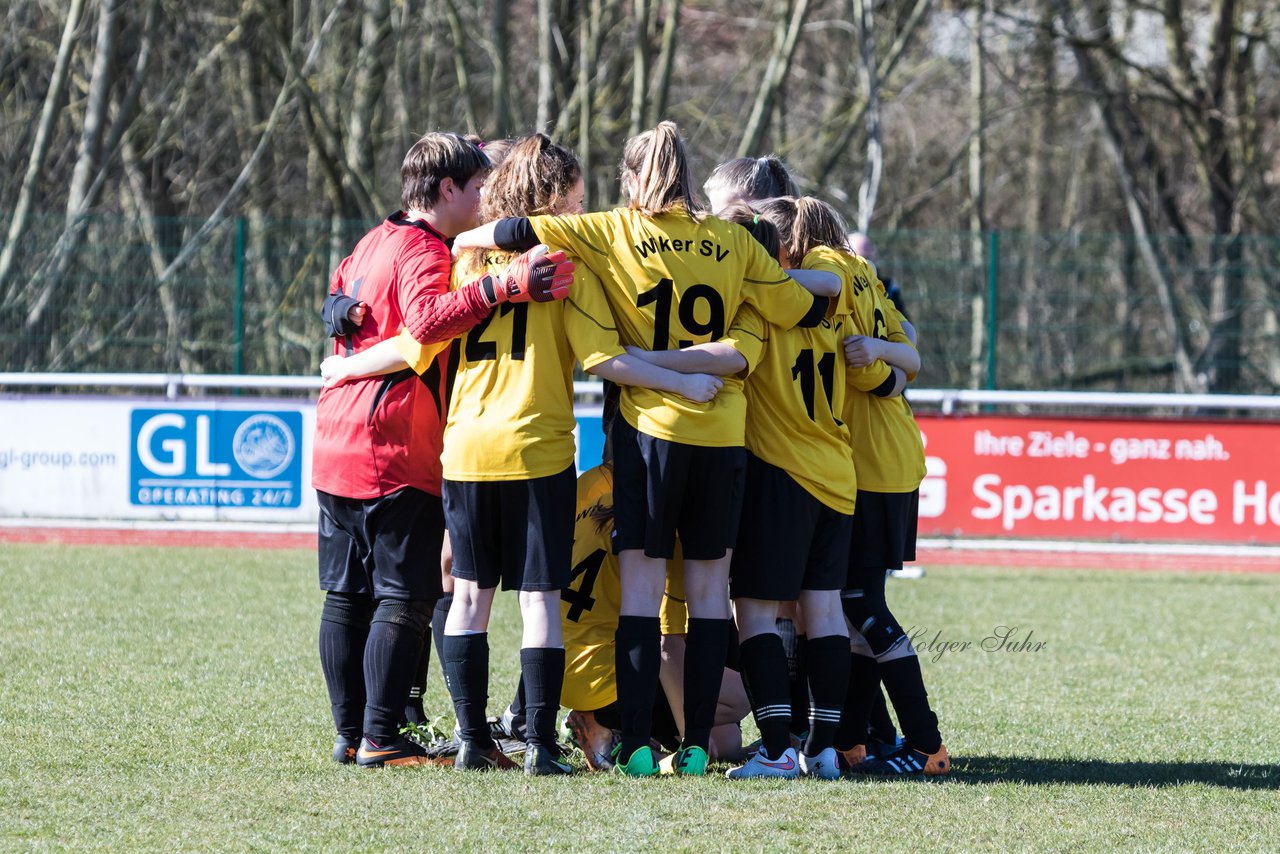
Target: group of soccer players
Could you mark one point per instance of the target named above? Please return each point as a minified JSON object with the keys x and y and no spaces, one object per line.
{"x":760,"y":464}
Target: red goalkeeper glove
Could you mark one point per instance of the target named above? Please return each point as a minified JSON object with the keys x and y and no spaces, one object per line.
{"x":535,"y":276}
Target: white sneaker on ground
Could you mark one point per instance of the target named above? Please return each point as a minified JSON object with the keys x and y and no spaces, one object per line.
{"x":824,"y":766}
{"x":786,"y":767}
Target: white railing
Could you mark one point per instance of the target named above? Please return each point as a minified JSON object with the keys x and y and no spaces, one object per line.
{"x":946,"y":399}
{"x":175,"y":383}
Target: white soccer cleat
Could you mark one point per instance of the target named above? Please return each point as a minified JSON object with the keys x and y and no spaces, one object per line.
{"x":824,"y":766}
{"x":785,"y":767}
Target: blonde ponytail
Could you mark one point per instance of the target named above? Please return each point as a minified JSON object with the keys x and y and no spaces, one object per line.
{"x":660,"y":166}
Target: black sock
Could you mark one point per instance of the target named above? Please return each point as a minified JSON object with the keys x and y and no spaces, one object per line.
{"x":905,"y":684}
{"x":414,"y":712}
{"x":344,"y":629}
{"x":608,"y":716}
{"x":799,"y":685}
{"x":440,"y":616}
{"x":880,"y":724}
{"x":466,"y":661}
{"x":864,"y":684}
{"x":390,"y":659}
{"x":542,"y":675}
{"x":828,"y":659}
{"x":520,"y":708}
{"x":637,"y":657}
{"x":706,"y":647}
{"x":764,"y":670}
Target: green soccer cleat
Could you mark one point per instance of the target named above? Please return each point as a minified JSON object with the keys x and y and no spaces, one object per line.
{"x":540,"y":761}
{"x":640,"y":764}
{"x":691,"y":762}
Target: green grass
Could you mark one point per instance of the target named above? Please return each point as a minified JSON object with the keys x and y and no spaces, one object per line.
{"x":163,"y":699}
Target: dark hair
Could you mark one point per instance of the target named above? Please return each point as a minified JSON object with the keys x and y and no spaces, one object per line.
{"x":803,"y":224}
{"x":663,"y":178}
{"x":752,"y":178}
{"x":534,"y":178}
{"x":764,"y":231}
{"x":432,"y":159}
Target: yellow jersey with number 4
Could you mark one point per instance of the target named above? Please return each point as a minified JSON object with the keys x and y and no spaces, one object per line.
{"x":590,"y":605}
{"x":673,"y":281}
{"x":511,"y":410}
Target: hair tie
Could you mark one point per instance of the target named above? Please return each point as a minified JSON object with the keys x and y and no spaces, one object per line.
{"x":755,"y":220}
{"x":480,"y":145}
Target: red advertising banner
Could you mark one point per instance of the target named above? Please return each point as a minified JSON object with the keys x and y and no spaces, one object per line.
{"x":1101,"y":479}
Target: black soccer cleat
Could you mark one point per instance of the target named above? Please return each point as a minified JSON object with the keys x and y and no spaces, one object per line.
{"x":542,"y":761}
{"x":344,"y":749}
{"x":906,"y":762}
{"x":398,"y":751}
{"x":473,"y":758}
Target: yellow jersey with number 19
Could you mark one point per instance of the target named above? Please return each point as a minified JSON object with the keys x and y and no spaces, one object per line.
{"x":673,"y":281}
{"x":511,"y":411}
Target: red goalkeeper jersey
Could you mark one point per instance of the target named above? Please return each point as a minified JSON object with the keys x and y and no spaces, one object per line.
{"x":376,"y":435}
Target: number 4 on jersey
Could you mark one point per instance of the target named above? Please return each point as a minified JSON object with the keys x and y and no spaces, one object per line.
{"x":579,"y":597}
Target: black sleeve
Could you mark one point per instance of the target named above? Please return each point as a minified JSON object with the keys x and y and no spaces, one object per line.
{"x":515,"y":234}
{"x":334,"y":313}
{"x":885,"y":389}
{"x":817,"y":311}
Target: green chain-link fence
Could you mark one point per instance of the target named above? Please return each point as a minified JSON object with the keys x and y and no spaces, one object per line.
{"x":995,"y":310}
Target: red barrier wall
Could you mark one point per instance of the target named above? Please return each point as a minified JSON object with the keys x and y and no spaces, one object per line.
{"x":1101,"y":479}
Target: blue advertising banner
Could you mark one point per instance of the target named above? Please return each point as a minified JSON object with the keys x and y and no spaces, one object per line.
{"x":215,"y":458}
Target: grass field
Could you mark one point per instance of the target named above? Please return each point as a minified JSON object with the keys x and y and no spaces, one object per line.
{"x":171,"y":699}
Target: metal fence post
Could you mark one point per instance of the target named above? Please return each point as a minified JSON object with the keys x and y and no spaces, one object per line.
{"x":993,"y":292}
{"x":239,"y":295}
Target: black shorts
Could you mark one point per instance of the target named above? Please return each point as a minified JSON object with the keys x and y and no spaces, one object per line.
{"x":884,"y":530}
{"x":515,"y":532}
{"x":662,"y":488}
{"x":788,"y":540}
{"x":386,"y":548}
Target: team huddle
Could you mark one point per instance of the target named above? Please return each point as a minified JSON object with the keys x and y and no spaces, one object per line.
{"x":760,"y":474}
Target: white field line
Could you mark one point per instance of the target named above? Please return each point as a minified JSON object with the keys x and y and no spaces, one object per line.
{"x":931,"y":543}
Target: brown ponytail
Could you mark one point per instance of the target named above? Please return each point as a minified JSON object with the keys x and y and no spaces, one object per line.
{"x":660,"y":165}
{"x":803,"y":224}
{"x":535,"y":176}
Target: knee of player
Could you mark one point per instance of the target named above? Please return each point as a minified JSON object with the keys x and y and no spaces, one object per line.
{"x":414,"y":614}
{"x":346,"y":609}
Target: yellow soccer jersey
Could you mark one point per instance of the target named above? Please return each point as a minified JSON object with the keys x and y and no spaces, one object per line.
{"x":417,"y":355}
{"x":511,"y":412}
{"x":589,"y":606}
{"x":888,"y":452}
{"x":673,"y":615}
{"x":673,"y":282}
{"x":796,"y":395}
